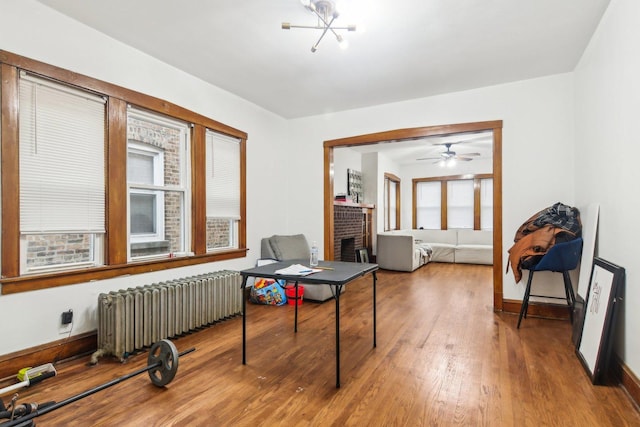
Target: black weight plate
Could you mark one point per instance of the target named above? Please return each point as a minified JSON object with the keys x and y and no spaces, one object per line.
{"x":164,"y":354}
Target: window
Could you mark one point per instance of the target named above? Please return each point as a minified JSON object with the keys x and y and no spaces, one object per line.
{"x":93,"y":187}
{"x":453,"y":202}
{"x":486,"y":204}
{"x":145,"y":166}
{"x":428,"y":209}
{"x":223,"y":191}
{"x":460,"y":199}
{"x":157,"y":180}
{"x":391,"y":202}
{"x":62,"y":157}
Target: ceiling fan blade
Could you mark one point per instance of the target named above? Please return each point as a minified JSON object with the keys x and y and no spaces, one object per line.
{"x":465,"y":141}
{"x":430,"y":158}
{"x":448,"y":143}
{"x":464,"y":159}
{"x":469,"y":154}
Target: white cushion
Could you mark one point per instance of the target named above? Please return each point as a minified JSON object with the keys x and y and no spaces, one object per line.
{"x":435,"y":236}
{"x":474,"y":254}
{"x":475,"y":237}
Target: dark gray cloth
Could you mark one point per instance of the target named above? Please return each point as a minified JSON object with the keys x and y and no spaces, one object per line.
{"x":559,"y":215}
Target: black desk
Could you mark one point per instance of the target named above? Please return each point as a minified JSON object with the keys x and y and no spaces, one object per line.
{"x":340,"y":274}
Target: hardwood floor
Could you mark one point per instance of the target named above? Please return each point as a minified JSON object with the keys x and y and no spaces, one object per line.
{"x":443,"y":358}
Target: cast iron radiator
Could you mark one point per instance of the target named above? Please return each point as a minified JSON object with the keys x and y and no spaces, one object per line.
{"x":135,"y":318}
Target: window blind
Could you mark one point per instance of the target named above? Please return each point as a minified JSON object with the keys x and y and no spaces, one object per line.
{"x":223,"y":176}
{"x":460,"y":204}
{"x":392,"y":205}
{"x":486,"y":204}
{"x":428,"y":200}
{"x":62,"y":156}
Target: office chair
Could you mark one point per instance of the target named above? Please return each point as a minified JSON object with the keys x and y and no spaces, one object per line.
{"x":561,"y":258}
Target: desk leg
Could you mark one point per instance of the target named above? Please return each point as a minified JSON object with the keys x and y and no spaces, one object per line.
{"x":244,"y":322}
{"x":374,"y":307}
{"x":336,"y":295}
{"x":295,"y":317}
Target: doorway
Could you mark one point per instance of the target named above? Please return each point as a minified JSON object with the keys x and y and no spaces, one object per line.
{"x":399,"y":135}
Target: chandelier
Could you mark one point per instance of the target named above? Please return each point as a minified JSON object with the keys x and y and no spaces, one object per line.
{"x":326,"y":12}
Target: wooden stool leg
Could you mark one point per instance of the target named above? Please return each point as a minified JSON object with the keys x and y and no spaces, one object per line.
{"x":525,"y":300}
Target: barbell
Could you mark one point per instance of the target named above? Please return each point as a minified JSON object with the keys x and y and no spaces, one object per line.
{"x":162,"y":365}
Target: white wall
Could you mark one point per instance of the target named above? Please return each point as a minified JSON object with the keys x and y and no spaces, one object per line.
{"x":607,"y":109}
{"x":370,"y":179}
{"x":35,"y":31}
{"x":343,"y":159}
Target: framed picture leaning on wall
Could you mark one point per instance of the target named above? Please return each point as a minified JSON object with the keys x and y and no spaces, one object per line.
{"x":603,"y":298}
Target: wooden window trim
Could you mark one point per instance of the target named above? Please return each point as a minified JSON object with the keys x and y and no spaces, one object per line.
{"x":476,"y":203}
{"x":116,"y":240}
{"x":393,"y":178}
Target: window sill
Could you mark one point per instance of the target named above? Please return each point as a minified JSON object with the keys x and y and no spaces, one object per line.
{"x":14,"y":285}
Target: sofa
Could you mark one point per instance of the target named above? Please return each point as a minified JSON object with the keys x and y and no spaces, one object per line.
{"x":294,"y":247}
{"x":407,"y":250}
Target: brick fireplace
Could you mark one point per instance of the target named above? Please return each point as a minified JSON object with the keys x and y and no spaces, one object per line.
{"x":348,"y":221}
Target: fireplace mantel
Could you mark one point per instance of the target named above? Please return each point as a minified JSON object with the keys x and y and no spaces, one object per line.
{"x":353,"y":204}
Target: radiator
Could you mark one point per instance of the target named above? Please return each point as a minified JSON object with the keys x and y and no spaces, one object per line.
{"x":135,"y":318}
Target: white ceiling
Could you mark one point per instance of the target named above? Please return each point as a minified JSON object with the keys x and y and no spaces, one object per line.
{"x":409,"y":152}
{"x":410,"y":49}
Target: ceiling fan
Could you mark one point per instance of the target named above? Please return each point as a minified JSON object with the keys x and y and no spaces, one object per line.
{"x":448,"y":156}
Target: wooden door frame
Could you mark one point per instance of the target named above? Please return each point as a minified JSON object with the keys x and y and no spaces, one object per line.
{"x":421,"y":132}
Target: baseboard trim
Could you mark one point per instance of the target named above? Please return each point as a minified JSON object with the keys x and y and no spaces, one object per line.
{"x":52,"y":352}
{"x":537,"y":309}
{"x":627,"y":380}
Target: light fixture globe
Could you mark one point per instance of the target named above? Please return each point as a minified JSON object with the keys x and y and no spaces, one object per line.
{"x":323,"y":7}
{"x":326,"y":12}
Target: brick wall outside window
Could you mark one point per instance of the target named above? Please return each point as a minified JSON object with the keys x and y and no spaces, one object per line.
{"x":218,"y":233}
{"x":55,"y":249}
{"x":168,"y":140}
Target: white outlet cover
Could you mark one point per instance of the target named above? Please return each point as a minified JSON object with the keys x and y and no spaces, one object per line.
{"x":65,"y":329}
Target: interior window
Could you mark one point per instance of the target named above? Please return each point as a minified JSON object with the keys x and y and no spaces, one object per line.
{"x":391,"y":202}
{"x":428,"y":206}
{"x":223,"y":191}
{"x":486,"y":204}
{"x":90,"y":180}
{"x":62,"y":202}
{"x":158,"y":183}
{"x":460,"y":200}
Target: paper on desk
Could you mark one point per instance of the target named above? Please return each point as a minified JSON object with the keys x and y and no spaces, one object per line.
{"x":297,"y":270}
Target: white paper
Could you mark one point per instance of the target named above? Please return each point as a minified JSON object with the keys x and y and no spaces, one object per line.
{"x":297,"y":270}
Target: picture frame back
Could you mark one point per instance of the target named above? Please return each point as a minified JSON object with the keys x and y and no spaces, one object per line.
{"x":601,"y":303}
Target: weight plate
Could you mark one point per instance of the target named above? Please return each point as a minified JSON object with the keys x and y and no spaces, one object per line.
{"x":165,"y":355}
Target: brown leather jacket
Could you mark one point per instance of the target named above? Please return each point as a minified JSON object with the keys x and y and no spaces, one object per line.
{"x":535,"y":243}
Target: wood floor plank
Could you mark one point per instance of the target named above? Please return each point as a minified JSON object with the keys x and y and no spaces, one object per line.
{"x":444,"y":358}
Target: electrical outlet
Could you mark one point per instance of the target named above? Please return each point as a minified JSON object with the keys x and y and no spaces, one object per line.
{"x":66,"y":322}
{"x":67,"y":317}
